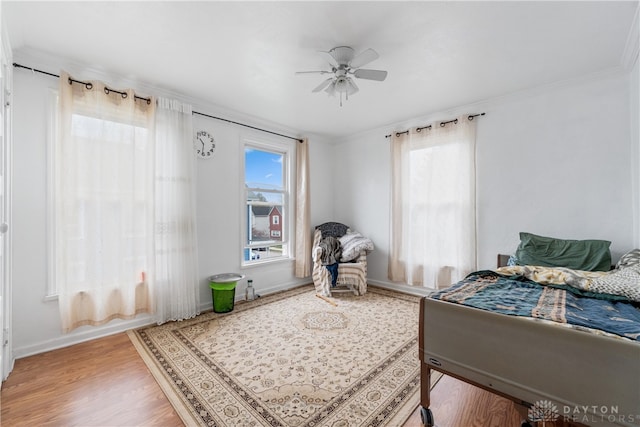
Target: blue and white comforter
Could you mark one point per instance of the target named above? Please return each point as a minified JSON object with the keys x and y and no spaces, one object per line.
{"x":519,"y":296}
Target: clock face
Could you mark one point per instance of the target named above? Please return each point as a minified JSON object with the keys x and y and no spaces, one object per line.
{"x":204,"y":144}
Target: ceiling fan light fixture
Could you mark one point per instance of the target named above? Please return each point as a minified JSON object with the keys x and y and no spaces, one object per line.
{"x":351,"y":87}
{"x":344,"y":64}
{"x":342,"y":85}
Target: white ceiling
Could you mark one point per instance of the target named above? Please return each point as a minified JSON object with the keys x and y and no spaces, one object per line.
{"x":243,"y":55}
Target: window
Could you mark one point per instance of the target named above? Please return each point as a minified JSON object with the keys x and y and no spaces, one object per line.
{"x":79,"y":231}
{"x":104,"y":204}
{"x":124,"y":200}
{"x":265,"y":205}
{"x":433,"y":205}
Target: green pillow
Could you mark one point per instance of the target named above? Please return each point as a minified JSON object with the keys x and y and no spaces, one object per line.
{"x":587,"y":255}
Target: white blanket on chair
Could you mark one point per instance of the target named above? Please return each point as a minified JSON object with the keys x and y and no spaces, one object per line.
{"x":352,"y":243}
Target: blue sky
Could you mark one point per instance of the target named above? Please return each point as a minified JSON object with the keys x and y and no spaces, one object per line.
{"x":263,"y":167}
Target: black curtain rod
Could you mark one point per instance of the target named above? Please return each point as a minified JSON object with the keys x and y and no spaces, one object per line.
{"x":88,"y":85}
{"x":248,"y":126}
{"x":442,"y":124}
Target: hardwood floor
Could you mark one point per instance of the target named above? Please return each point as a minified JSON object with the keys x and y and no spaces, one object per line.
{"x":458,"y":404}
{"x":105,"y":383}
{"x":97,"y":383}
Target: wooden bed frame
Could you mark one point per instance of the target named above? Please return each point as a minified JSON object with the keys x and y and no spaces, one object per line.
{"x":591,"y":379}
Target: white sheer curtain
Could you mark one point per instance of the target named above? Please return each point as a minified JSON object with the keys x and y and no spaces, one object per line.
{"x":103,"y":204}
{"x":433,"y":212}
{"x":176,"y":269}
{"x":125,"y":239}
{"x":303,"y":212}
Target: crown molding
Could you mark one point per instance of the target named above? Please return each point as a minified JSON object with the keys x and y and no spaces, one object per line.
{"x":632,"y":46}
{"x":485,"y":105}
{"x":569,"y":83}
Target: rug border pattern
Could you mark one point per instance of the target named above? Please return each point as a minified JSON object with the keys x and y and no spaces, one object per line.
{"x":405,"y":395}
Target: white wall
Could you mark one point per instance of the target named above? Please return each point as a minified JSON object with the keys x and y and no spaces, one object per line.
{"x":219,"y":198}
{"x":34,"y":321}
{"x":553,"y":161}
{"x":362,"y":194}
{"x":557,"y":164}
{"x":36,"y":324}
{"x":630,"y":63}
{"x":634,"y":115}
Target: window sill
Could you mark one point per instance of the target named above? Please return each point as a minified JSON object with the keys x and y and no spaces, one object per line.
{"x":50,"y":298}
{"x":262,"y":263}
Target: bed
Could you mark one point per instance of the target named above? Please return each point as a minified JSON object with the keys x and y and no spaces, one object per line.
{"x":588,"y":375}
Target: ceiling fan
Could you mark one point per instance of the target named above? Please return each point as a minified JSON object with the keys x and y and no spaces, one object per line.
{"x":344,"y":64}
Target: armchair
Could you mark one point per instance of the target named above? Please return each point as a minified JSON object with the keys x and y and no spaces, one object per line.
{"x":351,"y":275}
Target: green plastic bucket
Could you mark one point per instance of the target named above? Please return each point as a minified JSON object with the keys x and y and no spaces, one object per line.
{"x":223,"y":291}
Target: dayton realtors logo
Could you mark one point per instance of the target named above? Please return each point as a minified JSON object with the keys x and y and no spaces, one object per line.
{"x":546,"y":411}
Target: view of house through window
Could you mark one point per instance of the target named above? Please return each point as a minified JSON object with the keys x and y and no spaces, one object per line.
{"x":266,"y":190}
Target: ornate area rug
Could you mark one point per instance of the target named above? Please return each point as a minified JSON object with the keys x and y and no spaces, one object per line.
{"x":291,"y":359}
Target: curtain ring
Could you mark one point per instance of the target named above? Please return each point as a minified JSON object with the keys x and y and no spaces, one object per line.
{"x":87,"y":85}
{"x":122,"y":94}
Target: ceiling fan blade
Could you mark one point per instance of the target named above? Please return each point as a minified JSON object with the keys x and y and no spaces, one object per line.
{"x":323,"y":85}
{"x":329,"y":58}
{"x":370,"y":74}
{"x":364,"y":58}
{"x":331,"y":90}
{"x":351,"y":87}
{"x":313,"y":72}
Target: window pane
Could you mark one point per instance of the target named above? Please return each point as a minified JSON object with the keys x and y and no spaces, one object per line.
{"x":263,"y":169}
{"x":266,"y":199}
{"x":262,"y":225}
{"x":105,"y":210}
{"x":263,"y":252}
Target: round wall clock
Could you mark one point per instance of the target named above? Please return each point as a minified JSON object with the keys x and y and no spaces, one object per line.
{"x":204,"y":144}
